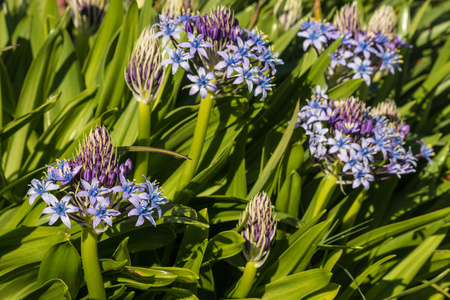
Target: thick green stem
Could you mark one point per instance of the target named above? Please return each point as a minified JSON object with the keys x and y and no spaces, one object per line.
{"x":144,"y":131}
{"x":350,"y":217}
{"x":326,"y":192}
{"x":245,"y":284}
{"x":91,"y":266}
{"x":190,"y":166}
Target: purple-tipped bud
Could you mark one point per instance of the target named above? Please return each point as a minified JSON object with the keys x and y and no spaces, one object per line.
{"x":87,"y":14}
{"x":144,"y":70}
{"x":347,"y":18}
{"x":122,"y":170}
{"x":111,"y":179}
{"x":102,"y":178}
{"x":129,"y":166}
{"x":259,"y":229}
{"x":87,"y":175}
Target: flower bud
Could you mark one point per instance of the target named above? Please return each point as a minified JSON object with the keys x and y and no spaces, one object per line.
{"x":259,"y":229}
{"x":347,"y":18}
{"x":144,"y":72}
{"x":87,"y":14}
{"x":288,"y":12}
{"x":383,"y":20}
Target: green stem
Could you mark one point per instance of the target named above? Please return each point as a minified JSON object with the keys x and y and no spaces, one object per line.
{"x":144,"y":131}
{"x":89,"y":257}
{"x":326,"y":192}
{"x":350,"y":217}
{"x":190,"y":166}
{"x":245,"y":284}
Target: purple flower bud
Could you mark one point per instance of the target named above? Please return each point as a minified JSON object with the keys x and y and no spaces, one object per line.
{"x":129,"y":166}
{"x":87,"y":15}
{"x":259,"y":229}
{"x":111,"y":179}
{"x":87,"y":175}
{"x":102,"y":178}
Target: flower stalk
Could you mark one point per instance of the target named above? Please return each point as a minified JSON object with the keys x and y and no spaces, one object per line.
{"x":144,"y":131}
{"x":245,"y":284}
{"x":91,"y":267}
{"x":190,"y":166}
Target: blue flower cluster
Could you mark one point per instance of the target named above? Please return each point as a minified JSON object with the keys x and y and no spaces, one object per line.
{"x":361,"y":53}
{"x":217,"y":53}
{"x":90,"y":197}
{"x":361,"y":142}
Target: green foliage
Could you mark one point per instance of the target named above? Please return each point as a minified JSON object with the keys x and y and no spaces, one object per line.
{"x":56,"y":84}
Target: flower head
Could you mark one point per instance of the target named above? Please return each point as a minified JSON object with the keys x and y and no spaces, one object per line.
{"x":218,"y":53}
{"x":288,"y":12}
{"x":347,"y":18}
{"x":355,"y":141}
{"x":143,"y":74}
{"x":259,"y":229}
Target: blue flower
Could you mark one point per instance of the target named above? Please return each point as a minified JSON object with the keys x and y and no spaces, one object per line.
{"x":153,"y":194}
{"x":362,"y":176}
{"x":127,"y":189}
{"x":426,"y":151}
{"x":60,"y":210}
{"x":247,"y":73}
{"x":185,"y":17}
{"x":101,"y":212}
{"x":313,"y":35}
{"x":196,"y":44}
{"x":352,"y":160}
{"x":177,"y":58}
{"x":231,"y":61}
{"x":202,"y":82}
{"x":264,"y":85}
{"x":339,"y":57}
{"x":364,"y":44}
{"x":317,"y":135}
{"x":93,"y":190}
{"x":366,"y":149}
{"x":39,"y":188}
{"x":362,"y":69}
{"x":168,"y":28}
{"x":269,"y":60}
{"x":257,"y":37}
{"x":243,"y":48}
{"x":63,"y":172}
{"x":339,"y":143}
{"x":143,"y":210}
{"x":390,"y":59}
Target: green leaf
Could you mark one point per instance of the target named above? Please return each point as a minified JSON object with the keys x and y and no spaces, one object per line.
{"x":62,"y":261}
{"x":224,"y":245}
{"x":18,"y":282}
{"x":405,"y":271}
{"x":318,"y":68}
{"x":295,"y":286}
{"x":345,"y":89}
{"x":420,"y":287}
{"x":121,"y":252}
{"x":27,"y":245}
{"x":112,"y":88}
{"x":347,"y":293}
{"x":108,"y":28}
{"x":296,"y":257}
{"x":379,"y":234}
{"x":21,"y":121}
{"x":109,"y":266}
{"x":54,"y":289}
{"x":276,"y":156}
{"x":327,"y":293}
{"x":417,"y":17}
